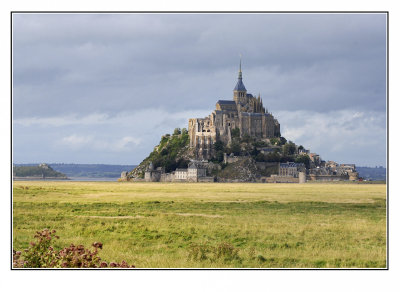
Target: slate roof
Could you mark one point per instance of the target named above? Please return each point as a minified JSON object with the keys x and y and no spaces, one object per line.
{"x":239,"y":85}
{"x":291,"y":164}
{"x":226,"y":102}
{"x":252,"y":114}
{"x":195,"y":164}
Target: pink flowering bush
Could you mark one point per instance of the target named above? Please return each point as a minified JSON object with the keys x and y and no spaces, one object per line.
{"x":41,"y":254}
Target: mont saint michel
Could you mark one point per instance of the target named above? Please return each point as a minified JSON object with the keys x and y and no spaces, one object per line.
{"x":240,"y":141}
{"x":144,"y":140}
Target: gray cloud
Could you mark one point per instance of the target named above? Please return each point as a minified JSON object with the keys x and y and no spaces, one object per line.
{"x":80,"y":65}
{"x":345,"y":136}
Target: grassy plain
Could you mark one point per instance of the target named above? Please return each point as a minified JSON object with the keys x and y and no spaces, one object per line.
{"x":183,"y":225}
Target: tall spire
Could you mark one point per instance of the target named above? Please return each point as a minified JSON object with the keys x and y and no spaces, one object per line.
{"x":240,"y":67}
{"x":239,"y":85}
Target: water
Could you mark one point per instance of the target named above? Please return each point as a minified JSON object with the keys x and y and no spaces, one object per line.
{"x":93,"y":178}
{"x":69,"y":179}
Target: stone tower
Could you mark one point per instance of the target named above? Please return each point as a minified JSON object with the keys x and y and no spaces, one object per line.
{"x":240,"y":92}
{"x":245,"y":113}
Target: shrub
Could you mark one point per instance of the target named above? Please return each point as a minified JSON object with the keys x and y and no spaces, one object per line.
{"x":261,"y":258}
{"x":272,"y":157}
{"x":219,"y":146}
{"x":235,"y":147}
{"x":246,"y":138}
{"x":303,"y":159}
{"x":223,"y":251}
{"x":235,"y":133}
{"x":263,"y":143}
{"x":177,"y":131}
{"x":289,"y":148}
{"x":260,"y":157}
{"x":275,"y":141}
{"x":41,"y":254}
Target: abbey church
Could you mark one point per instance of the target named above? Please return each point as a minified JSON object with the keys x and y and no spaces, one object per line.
{"x":245,"y":112}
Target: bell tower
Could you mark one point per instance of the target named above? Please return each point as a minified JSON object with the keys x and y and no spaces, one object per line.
{"x":240,"y":92}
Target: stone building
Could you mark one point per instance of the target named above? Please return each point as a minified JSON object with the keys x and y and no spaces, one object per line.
{"x":245,"y":112}
{"x":181,"y":174}
{"x":195,"y":171}
{"x":291,"y":169}
{"x":152,"y":174}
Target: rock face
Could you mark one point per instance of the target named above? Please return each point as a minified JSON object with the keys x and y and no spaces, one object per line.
{"x":124,"y":176}
{"x":244,"y":170}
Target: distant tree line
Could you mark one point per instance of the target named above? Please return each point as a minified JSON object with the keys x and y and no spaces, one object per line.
{"x":36,"y":171}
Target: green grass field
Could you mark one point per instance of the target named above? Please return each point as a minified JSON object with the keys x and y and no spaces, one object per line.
{"x":183,"y":225}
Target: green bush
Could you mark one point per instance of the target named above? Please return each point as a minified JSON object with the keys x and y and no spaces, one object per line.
{"x":275,"y":141}
{"x":235,"y":133}
{"x":235,"y":147}
{"x":273,"y":157}
{"x":177,"y":131}
{"x":303,"y":159}
{"x":219,"y":146}
{"x":263,"y":143}
{"x":289,"y":148}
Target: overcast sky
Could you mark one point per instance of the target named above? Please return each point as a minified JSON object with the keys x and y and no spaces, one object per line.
{"x":103,"y":88}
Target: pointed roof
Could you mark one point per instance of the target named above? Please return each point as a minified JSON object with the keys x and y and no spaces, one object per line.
{"x":239,"y":85}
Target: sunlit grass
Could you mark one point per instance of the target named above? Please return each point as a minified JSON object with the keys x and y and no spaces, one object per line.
{"x":154,"y":225}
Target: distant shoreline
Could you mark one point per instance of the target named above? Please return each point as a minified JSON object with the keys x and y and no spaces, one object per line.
{"x":65,"y":179}
{"x":39,"y":178}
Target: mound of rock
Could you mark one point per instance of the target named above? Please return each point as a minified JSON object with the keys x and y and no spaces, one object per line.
{"x":244,"y":170}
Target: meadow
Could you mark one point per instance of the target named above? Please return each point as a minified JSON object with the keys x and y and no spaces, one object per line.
{"x":215,"y":225}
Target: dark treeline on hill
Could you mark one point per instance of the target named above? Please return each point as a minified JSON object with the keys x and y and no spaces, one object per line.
{"x":88,"y":170}
{"x":37,"y":171}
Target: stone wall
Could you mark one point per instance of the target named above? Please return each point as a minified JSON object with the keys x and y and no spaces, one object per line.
{"x":282,"y":179}
{"x":314,"y":177}
{"x":206,"y":179}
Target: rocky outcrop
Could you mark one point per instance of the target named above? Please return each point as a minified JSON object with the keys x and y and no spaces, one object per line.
{"x":244,"y":170}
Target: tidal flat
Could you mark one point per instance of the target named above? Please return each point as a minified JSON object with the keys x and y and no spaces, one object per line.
{"x":210,"y":225}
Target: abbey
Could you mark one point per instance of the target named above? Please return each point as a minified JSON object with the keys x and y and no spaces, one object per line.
{"x":245,"y":112}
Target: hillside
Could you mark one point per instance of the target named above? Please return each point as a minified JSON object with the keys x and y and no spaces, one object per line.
{"x":40,"y":171}
{"x":172,"y":152}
